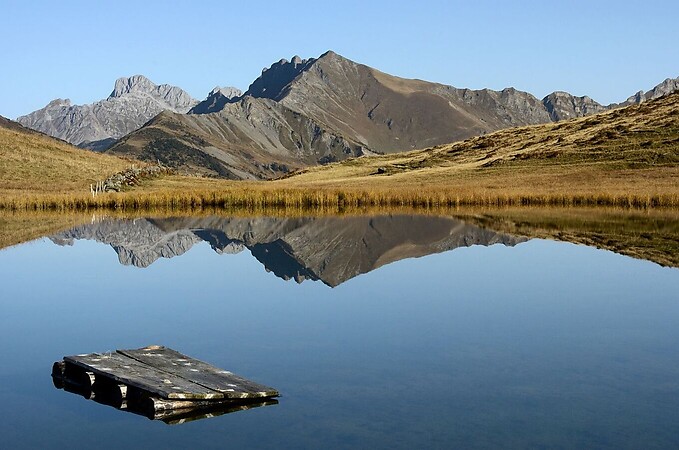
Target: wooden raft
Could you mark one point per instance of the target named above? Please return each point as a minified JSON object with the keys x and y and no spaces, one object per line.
{"x":159,"y":377}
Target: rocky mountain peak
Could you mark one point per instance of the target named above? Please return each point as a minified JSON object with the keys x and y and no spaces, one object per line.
{"x":668,"y":86}
{"x":216,"y":100}
{"x":562,"y":105}
{"x":59,"y":102}
{"x":133,"y":101}
{"x":135,"y":83}
{"x":227,"y":91}
{"x":273,"y":80}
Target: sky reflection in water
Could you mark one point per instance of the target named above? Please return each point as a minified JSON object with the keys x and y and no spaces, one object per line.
{"x":543,"y":343}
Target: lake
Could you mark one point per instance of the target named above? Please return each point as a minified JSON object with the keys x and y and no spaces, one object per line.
{"x":386,"y":331}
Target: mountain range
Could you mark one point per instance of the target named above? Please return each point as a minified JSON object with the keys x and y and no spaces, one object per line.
{"x":133,"y":101}
{"x":299,"y":113}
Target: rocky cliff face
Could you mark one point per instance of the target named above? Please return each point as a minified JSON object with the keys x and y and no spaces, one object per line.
{"x":564,"y":106}
{"x":666,"y":87}
{"x":132,"y":103}
{"x":332,"y":250}
{"x":216,"y":100}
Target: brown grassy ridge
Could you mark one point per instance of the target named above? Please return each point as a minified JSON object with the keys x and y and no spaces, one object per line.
{"x":627,"y":157}
{"x":35,"y":164}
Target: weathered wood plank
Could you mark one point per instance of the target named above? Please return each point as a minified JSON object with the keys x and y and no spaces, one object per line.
{"x":131,"y":372}
{"x":171,"y":361}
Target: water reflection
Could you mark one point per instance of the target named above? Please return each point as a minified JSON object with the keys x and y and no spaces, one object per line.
{"x":171,"y":416}
{"x":330,"y":249}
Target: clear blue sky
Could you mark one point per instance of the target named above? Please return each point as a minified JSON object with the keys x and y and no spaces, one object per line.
{"x":76,"y":49}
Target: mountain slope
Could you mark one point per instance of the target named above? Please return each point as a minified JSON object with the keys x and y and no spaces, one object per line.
{"x":32,"y":162}
{"x":315,"y":111}
{"x":249,"y":139}
{"x":582,"y":152}
{"x":132,"y":103}
{"x":389,"y":114}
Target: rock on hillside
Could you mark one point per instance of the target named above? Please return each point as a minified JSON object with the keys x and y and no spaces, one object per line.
{"x":132,"y":103}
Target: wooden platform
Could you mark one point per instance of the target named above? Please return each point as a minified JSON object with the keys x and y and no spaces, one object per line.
{"x":159,"y":379}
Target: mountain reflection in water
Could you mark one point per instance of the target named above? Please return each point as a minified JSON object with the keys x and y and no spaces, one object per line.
{"x":330,"y":249}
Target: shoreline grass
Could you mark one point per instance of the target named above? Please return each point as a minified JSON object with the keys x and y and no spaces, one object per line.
{"x":302,"y":198}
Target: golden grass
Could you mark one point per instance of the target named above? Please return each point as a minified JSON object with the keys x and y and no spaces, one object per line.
{"x":33,"y":163}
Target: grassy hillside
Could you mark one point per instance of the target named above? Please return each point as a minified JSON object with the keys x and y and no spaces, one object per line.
{"x":624,"y":151}
{"x":33,"y":163}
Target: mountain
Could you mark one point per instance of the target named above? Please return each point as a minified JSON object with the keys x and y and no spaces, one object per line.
{"x":248,"y":139}
{"x":300,"y":113}
{"x":216,"y":100}
{"x":132,"y":103}
{"x":315,"y":111}
{"x":330,"y":249}
{"x":563,"y":106}
{"x":625,"y":152}
{"x":666,"y":87}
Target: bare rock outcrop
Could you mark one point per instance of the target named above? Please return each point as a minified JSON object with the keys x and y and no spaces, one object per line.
{"x":216,"y":100}
{"x":562,"y":106}
{"x":133,"y":101}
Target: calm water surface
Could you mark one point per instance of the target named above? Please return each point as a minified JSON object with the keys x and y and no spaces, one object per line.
{"x":383,"y":333}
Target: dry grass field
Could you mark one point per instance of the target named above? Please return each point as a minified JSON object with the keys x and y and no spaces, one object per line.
{"x":32,"y":163}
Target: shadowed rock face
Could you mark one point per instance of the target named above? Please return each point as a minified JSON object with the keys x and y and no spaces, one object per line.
{"x":332,"y":250}
{"x":216,"y":100}
{"x":252,"y":138}
{"x":132,"y":103}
